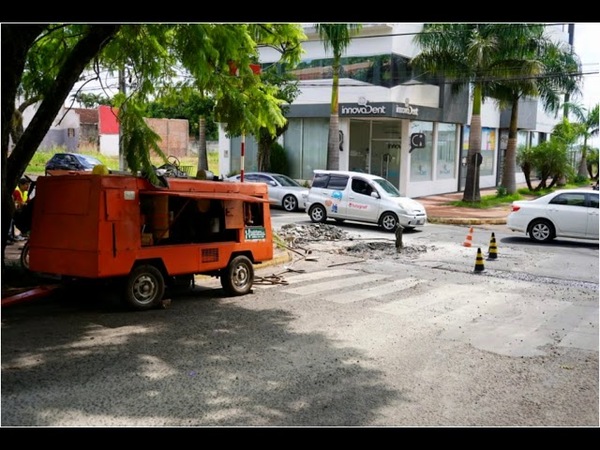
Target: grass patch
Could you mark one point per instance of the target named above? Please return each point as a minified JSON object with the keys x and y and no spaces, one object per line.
{"x":499,"y":199}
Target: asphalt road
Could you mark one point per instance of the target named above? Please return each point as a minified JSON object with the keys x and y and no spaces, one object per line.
{"x":358,"y":338}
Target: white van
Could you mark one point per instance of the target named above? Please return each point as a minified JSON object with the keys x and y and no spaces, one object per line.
{"x":362,"y":197}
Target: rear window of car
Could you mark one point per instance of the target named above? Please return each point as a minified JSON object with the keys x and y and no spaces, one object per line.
{"x":330,"y":181}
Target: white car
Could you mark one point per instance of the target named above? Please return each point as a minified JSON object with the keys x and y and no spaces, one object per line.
{"x":284,"y":191}
{"x":570,"y":213}
{"x":362,"y":197}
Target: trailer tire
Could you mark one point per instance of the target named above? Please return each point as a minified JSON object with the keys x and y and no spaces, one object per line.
{"x":238,"y":276}
{"x":145,"y":288}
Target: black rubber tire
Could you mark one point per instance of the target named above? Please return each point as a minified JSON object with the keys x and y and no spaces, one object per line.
{"x":145,"y":288}
{"x":237,"y":278}
{"x":541,"y":230}
{"x":24,"y":258}
{"x":317,"y":213}
{"x":389,"y":221}
{"x":289,"y":203}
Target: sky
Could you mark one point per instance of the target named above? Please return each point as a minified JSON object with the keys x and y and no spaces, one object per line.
{"x":587,"y":47}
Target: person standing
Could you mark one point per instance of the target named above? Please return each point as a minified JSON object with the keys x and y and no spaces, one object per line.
{"x":20,"y":196}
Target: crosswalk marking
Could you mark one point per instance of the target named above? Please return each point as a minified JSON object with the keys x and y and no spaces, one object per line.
{"x":375,"y":291}
{"x":335,"y":284}
{"x":312,"y":276}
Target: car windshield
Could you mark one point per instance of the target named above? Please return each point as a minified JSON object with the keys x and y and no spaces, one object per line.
{"x":388,"y":187}
{"x":88,"y":161}
{"x":284,"y":180}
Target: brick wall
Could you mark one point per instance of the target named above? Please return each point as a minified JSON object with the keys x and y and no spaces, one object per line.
{"x":174,"y":134}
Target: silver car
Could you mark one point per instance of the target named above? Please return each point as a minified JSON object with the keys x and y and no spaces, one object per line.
{"x":284,"y":191}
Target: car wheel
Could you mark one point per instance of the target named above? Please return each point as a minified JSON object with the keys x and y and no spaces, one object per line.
{"x":389,"y":221}
{"x":238,"y":276}
{"x":541,"y":231}
{"x":289,"y":203}
{"x":317,"y":214}
{"x":145,"y":288}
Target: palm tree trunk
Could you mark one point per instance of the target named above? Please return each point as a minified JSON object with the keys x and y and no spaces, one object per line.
{"x":333,"y":141}
{"x":510,"y":158}
{"x":472,"y":193}
{"x":202,"y":155}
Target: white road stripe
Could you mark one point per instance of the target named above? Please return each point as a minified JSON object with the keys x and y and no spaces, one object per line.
{"x":375,"y":291}
{"x":336,"y":284}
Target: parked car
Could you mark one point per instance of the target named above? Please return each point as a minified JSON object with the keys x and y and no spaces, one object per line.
{"x":284,"y":191}
{"x":571,"y":213}
{"x":62,"y":163}
{"x":346,"y":195}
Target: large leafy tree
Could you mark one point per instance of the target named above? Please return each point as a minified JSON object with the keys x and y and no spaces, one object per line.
{"x":46,"y":60}
{"x":473,"y":55}
{"x":544,"y":69}
{"x":337,"y":37}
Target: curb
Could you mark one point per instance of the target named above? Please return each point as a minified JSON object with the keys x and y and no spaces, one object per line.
{"x":466,"y":221}
{"x":277,"y":260}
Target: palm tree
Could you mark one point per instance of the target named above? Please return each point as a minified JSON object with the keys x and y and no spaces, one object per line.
{"x":588,"y":121}
{"x":543,"y":69}
{"x":477,"y":55}
{"x":337,"y":37}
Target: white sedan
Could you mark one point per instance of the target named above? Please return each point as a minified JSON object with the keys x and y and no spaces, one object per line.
{"x":570,"y":213}
{"x":284,"y":191}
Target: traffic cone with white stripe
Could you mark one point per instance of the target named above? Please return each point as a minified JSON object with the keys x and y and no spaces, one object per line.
{"x":469,"y":239}
{"x":479,"y":267}
{"x":493,"y":249}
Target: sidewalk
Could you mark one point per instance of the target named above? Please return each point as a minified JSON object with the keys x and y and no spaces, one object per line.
{"x":439,"y":210}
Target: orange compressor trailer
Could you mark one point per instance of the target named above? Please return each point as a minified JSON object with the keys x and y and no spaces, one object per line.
{"x":124,"y":227}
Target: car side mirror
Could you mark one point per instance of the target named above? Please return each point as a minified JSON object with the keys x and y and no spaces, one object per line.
{"x":374,"y":194}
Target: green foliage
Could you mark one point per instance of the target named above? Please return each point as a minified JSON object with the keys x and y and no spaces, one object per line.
{"x":501,"y":191}
{"x":279,"y":162}
{"x":488,"y":201}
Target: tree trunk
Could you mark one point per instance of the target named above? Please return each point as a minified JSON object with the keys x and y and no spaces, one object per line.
{"x":15,"y":48}
{"x":202,"y":152}
{"x":472,"y":193}
{"x":333,"y":141}
{"x":509,"y":181}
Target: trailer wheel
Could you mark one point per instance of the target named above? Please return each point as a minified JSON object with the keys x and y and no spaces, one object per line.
{"x":145,"y":288}
{"x":238,"y":277}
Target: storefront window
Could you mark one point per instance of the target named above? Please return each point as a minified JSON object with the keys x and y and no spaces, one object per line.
{"x":446,"y":150}
{"x":420,"y":158}
{"x":488,"y":148}
{"x":305,"y":142}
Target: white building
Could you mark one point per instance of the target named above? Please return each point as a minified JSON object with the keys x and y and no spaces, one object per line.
{"x":380,"y":108}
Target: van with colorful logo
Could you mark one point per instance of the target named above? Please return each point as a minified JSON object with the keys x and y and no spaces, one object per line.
{"x":361,"y":197}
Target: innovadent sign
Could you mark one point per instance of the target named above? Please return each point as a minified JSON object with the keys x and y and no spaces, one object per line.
{"x":364,"y":108}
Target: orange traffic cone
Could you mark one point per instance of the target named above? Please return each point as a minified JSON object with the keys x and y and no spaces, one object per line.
{"x":469,"y":239}
{"x":493,"y":249}
{"x":479,"y":267}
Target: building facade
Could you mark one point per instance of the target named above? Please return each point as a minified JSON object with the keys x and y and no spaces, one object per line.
{"x":382,"y":110}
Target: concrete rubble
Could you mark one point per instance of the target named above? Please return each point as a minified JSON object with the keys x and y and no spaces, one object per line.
{"x":322,"y":237}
